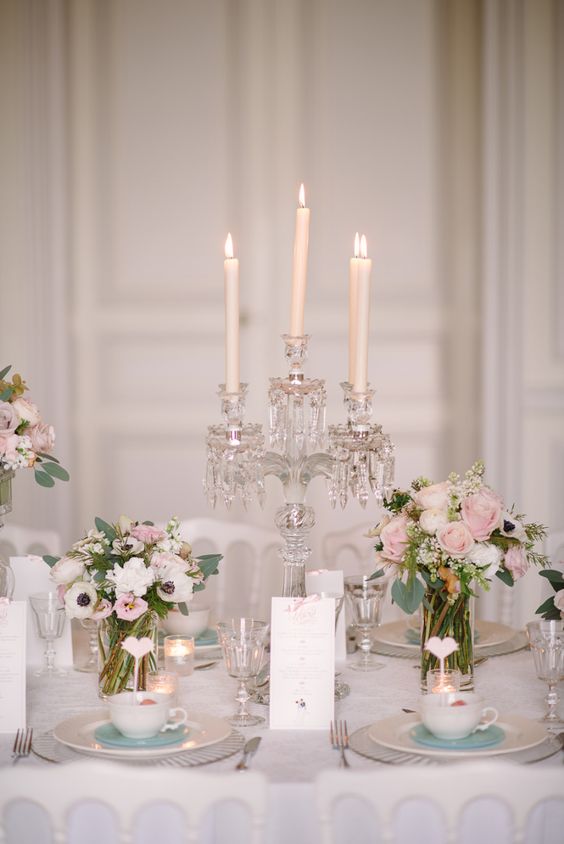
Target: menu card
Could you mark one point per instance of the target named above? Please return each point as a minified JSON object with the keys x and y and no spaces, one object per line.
{"x":12,"y":665}
{"x":302,"y":663}
{"x":333,"y":581}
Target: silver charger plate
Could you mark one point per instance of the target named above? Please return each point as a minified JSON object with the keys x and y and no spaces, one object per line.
{"x":362,"y":744}
{"x":516,"y":643}
{"x":45,"y":746}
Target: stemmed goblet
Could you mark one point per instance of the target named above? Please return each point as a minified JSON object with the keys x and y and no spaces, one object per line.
{"x":242,"y":641}
{"x":365,"y":598}
{"x":547,"y":644}
{"x":341,"y":689}
{"x":49,"y":616}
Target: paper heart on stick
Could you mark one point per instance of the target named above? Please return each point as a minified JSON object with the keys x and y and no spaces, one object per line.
{"x":138,"y":647}
{"x":441,"y":648}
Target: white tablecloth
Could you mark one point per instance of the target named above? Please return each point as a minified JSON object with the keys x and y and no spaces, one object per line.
{"x":292,"y":759}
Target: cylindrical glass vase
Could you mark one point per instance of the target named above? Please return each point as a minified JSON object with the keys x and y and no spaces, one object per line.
{"x":116,"y":665}
{"x":7,"y":580}
{"x":443,"y":616}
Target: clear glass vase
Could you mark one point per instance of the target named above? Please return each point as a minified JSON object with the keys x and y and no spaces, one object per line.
{"x":7,"y":580}
{"x":443,"y":617}
{"x":116,"y":666}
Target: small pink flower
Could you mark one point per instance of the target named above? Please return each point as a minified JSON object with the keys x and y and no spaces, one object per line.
{"x":394,"y":538}
{"x":482,"y":513}
{"x":455,"y":539}
{"x":128,"y":607}
{"x":8,"y":447}
{"x":516,"y":561}
{"x":147,"y":534}
{"x":103,"y":610}
{"x":42,"y":438}
{"x":9,"y":419}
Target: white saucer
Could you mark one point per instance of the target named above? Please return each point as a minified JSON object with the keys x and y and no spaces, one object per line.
{"x":78,"y":733}
{"x":520,"y":734}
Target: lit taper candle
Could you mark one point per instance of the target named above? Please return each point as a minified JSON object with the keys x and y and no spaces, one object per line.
{"x":360,"y":382}
{"x":299,"y":267}
{"x":231,"y":278}
{"x":353,"y":300}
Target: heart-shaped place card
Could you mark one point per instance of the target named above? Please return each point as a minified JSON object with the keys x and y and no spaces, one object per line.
{"x":138,"y":648}
{"x":441,"y":648}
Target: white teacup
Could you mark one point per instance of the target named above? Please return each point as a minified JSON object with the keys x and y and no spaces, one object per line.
{"x":138,"y":721}
{"x":448,"y":721}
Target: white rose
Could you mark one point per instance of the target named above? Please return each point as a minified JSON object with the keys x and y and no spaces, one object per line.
{"x":175,"y":585}
{"x":559,"y":601}
{"x":66,"y":570}
{"x":487,"y":556}
{"x":124,"y":524}
{"x":80,"y":600}
{"x":27,"y":411}
{"x":433,"y":496}
{"x":133,"y":576}
{"x":433,"y":519}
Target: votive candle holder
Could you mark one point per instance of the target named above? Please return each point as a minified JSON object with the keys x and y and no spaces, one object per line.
{"x":179,"y":654}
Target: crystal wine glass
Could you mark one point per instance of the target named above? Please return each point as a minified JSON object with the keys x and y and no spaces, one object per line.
{"x":341,"y":689}
{"x":547,"y":644}
{"x":365,"y":598}
{"x":242,"y":641}
{"x":49,"y":616}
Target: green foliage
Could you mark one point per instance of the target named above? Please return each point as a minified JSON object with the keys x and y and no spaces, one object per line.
{"x":105,"y":528}
{"x":378,"y":573}
{"x":208,"y":563}
{"x":183,"y":608}
{"x":43,"y":479}
{"x":398,"y":501}
{"x":6,"y":394}
{"x":408,"y":595}
{"x":47,"y":558}
{"x":556,"y":578}
{"x":56,"y":471}
{"x":5,"y":371}
{"x":505,"y":577}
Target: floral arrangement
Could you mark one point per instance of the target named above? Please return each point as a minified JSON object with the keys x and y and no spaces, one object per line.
{"x":553,"y":608}
{"x":442,"y":540}
{"x":128,"y":574}
{"x":25,"y":440}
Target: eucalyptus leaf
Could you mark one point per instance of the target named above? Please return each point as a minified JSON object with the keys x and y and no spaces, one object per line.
{"x":408,"y":595}
{"x":47,"y":457}
{"x":208,"y":563}
{"x":552,"y":575}
{"x":47,"y":558}
{"x":183,"y":608}
{"x":5,"y":371}
{"x":6,"y":394}
{"x":378,"y":573}
{"x":105,"y":528}
{"x":197,"y":587}
{"x":56,"y":471}
{"x":43,"y":479}
{"x":505,"y":577}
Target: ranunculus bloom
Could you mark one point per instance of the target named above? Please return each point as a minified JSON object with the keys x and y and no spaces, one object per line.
{"x":394,"y":538}
{"x":66,"y":570}
{"x":516,"y":561}
{"x":103,"y":609}
{"x":80,"y":600}
{"x":27,"y":411}
{"x":455,"y":539}
{"x":42,"y":437}
{"x":482,"y":513}
{"x":134,"y":576}
{"x":9,"y":419}
{"x":128,"y":607}
{"x":432,"y":519}
{"x":376,"y":531}
{"x":487,"y":556}
{"x":559,"y":601}
{"x":434,"y":496}
{"x":174,"y":585}
{"x":165,"y":559}
{"x":147,"y":533}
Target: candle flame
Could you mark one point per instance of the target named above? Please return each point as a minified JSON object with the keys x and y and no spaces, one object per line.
{"x":301,"y":198}
{"x":356,"y":245}
{"x":363,"y":248}
{"x":229,"y":246}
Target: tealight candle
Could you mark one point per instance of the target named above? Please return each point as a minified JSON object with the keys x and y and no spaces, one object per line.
{"x":179,"y":654}
{"x":445,"y":682}
{"x":165,"y":682}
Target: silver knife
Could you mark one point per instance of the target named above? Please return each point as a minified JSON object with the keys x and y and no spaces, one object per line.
{"x":249,"y":750}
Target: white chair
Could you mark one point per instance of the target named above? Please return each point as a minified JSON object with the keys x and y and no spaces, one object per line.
{"x":17,"y":541}
{"x":250,"y":572}
{"x":132,"y":796}
{"x":392,"y":791}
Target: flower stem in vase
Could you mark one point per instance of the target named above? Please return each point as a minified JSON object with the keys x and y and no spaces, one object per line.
{"x":444,"y":616}
{"x":117,"y":666}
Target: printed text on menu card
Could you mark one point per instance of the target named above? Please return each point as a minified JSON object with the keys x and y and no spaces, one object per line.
{"x":302,"y":663}
{"x":12,"y":665}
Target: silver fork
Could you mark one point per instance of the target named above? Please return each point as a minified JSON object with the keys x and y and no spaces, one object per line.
{"x":22,"y":744}
{"x":340,"y":740}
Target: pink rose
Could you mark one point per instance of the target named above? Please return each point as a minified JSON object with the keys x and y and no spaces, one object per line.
{"x":9,"y":419}
{"x":482,"y":513}
{"x":147,"y":534}
{"x":103,"y":610}
{"x":27,"y":411}
{"x":166,"y":559}
{"x":435,"y":496}
{"x":455,"y":539}
{"x":128,"y":607}
{"x":394,"y":538}
{"x":42,"y":437}
{"x":516,"y":561}
{"x":8,"y":447}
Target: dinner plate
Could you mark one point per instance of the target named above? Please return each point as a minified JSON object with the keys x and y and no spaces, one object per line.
{"x":396,"y":733}
{"x":78,"y":733}
{"x":402,"y":634}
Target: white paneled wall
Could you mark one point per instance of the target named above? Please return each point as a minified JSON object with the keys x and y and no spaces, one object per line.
{"x":431,"y":126}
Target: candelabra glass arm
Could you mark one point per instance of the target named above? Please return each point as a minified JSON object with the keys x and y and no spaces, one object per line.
{"x":276,"y":464}
{"x":316,"y":465}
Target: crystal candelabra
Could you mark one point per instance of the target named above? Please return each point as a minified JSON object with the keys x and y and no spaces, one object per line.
{"x":359,"y":459}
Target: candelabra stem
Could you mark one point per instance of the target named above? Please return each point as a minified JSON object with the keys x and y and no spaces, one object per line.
{"x":294,"y":521}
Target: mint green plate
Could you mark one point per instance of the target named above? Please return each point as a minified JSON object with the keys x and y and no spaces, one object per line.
{"x":107,"y":735}
{"x":476,"y":741}
{"x":208,"y":637}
